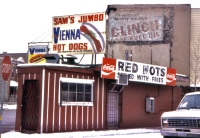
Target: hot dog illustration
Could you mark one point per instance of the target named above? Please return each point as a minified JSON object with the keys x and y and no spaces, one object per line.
{"x":96,"y":42}
{"x":37,"y":58}
{"x":97,"y":45}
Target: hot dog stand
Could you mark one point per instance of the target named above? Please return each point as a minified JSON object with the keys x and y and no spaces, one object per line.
{"x":39,"y":108}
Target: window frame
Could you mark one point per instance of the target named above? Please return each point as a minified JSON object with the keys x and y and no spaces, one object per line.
{"x":77,"y":81}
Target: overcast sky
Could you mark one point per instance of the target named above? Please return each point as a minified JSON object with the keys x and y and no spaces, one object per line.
{"x":24,"y":21}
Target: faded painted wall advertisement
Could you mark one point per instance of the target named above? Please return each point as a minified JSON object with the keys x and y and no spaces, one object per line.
{"x":140,"y":24}
{"x":111,"y":68}
{"x":79,"y":34}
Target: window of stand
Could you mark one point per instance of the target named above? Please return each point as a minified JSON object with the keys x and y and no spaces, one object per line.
{"x":76,"y":92}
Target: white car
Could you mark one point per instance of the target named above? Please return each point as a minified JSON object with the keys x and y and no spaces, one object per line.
{"x":185,"y":120}
{"x":8,"y":107}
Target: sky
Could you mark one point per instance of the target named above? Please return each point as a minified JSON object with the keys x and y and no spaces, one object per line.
{"x":26,"y":21}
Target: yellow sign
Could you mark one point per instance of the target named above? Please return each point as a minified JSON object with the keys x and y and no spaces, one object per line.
{"x":36,"y":58}
{"x":36,"y":53}
{"x":0,"y":117}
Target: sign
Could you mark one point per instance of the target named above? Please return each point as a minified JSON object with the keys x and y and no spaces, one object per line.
{"x":6,"y":68}
{"x":133,"y":31}
{"x":79,"y":34}
{"x":36,"y":53}
{"x":138,"y":23}
{"x":139,"y":72}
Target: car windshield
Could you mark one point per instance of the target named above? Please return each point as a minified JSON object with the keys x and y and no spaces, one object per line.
{"x":190,"y":102}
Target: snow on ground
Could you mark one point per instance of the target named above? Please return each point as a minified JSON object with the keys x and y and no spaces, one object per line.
{"x":9,"y":107}
{"x":126,"y":133}
{"x":121,"y":133}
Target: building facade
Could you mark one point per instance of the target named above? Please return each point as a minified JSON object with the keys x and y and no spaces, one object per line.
{"x":64,"y":97}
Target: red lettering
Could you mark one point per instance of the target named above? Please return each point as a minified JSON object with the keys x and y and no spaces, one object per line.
{"x":85,"y":46}
{"x":140,"y":28}
{"x":114,"y":32}
{"x":71,"y":19}
{"x":90,"y":18}
{"x":96,"y":17}
{"x":70,"y":46}
{"x":54,"y":47}
{"x":59,"y":47}
{"x":78,"y":46}
{"x":136,"y":28}
{"x":55,"y":21}
{"x":145,"y":27}
{"x":101,"y":16}
{"x":63,"y":20}
{"x":154,"y":25}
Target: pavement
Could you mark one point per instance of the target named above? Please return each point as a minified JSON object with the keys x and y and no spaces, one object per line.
{"x":121,"y":133}
{"x":8,"y":121}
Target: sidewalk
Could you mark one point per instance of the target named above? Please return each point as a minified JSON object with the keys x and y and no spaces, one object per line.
{"x":122,"y":133}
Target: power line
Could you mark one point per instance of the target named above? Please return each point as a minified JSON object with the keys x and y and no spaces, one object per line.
{"x":45,"y":36}
{"x":41,"y":35}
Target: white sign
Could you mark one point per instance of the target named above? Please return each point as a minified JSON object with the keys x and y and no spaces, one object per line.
{"x":79,"y":34}
{"x":140,"y":72}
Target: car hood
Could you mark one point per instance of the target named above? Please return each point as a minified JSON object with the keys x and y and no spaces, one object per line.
{"x":183,"y":113}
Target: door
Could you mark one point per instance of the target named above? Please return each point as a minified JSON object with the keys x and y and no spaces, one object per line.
{"x":112,"y":109}
{"x":30,"y":103}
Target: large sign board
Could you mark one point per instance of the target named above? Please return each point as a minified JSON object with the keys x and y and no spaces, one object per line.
{"x":139,"y":72}
{"x":36,"y":53}
{"x":79,"y":34}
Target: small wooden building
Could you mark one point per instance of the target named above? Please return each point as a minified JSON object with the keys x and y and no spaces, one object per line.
{"x":39,"y":104}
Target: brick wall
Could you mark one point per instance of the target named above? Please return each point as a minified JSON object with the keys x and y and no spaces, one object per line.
{"x":134,"y":104}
